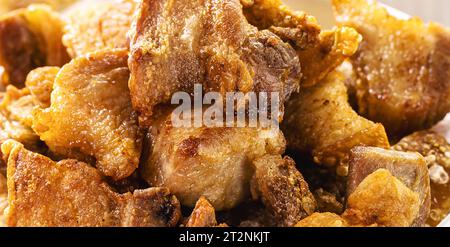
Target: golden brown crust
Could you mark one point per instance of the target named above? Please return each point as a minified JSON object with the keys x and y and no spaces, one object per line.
{"x":91,"y":114}
{"x":175,"y":45}
{"x":323,"y":220}
{"x":98,"y":26}
{"x":35,"y":183}
{"x":409,"y":168}
{"x":203,"y":215}
{"x":30,"y":38}
{"x":8,"y":5}
{"x":40,"y":83}
{"x":282,"y":189}
{"x":321,"y":122}
{"x":404,"y":67}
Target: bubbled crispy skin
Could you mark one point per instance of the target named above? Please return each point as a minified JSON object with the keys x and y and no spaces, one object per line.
{"x":30,"y":38}
{"x":40,"y":83}
{"x":322,"y":220}
{"x":91,"y":114}
{"x":203,"y":215}
{"x":409,"y":168}
{"x":210,"y":162}
{"x":320,"y":121}
{"x":176,"y":44}
{"x":42,"y":192}
{"x":98,"y":26}
{"x":282,"y":189}
{"x":404,"y":66}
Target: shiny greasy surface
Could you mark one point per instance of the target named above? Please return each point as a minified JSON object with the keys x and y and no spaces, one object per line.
{"x":42,"y":192}
{"x":404,"y":67}
{"x":91,"y":114}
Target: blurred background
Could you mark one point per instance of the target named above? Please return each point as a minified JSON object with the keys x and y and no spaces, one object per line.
{"x":429,"y":10}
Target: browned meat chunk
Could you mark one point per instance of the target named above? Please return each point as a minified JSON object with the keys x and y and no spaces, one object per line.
{"x":203,"y":215}
{"x":323,"y":220}
{"x":409,"y":168}
{"x":91,"y":114}
{"x":98,"y":26}
{"x":436,"y":151}
{"x":30,"y":38}
{"x":282,"y":189}
{"x":403,"y":65}
{"x":83,"y":197}
{"x":319,"y":121}
{"x":176,"y":44}
{"x":40,"y":83}
{"x":210,"y":162}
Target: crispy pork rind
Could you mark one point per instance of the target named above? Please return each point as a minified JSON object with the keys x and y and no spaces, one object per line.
{"x":30,"y":38}
{"x":323,"y":220}
{"x":42,"y":192}
{"x":409,"y":168}
{"x":40,"y":84}
{"x":404,"y":67}
{"x":384,"y":200}
{"x":320,"y":52}
{"x":436,"y":151}
{"x":210,"y":162}
{"x":319,"y":121}
{"x":175,"y":45}
{"x":282,"y":189}
{"x":97,"y":26}
{"x":91,"y":114}
{"x":203,"y":215}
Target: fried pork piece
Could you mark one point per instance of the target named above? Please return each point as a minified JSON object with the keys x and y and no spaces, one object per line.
{"x":321,"y":122}
{"x":282,"y":189}
{"x":379,"y":200}
{"x":436,"y":151}
{"x":404,"y":66}
{"x":3,"y":199}
{"x":409,"y":168}
{"x":42,"y":192}
{"x":384,"y":200}
{"x":98,"y":26}
{"x":15,"y":118}
{"x":319,"y":52}
{"x":175,"y":45}
{"x":91,"y":114}
{"x":210,"y":162}
{"x":30,"y":38}
{"x":40,"y":83}
{"x":203,"y":215}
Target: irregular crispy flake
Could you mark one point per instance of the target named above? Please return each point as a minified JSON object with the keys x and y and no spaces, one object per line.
{"x":203,"y":215}
{"x":320,"y":121}
{"x":30,"y":38}
{"x":98,"y":26}
{"x":282,"y":189}
{"x":409,"y":168}
{"x":176,"y":44}
{"x":436,"y":151}
{"x":40,"y":83}
{"x":322,"y":220}
{"x":210,"y":162}
{"x":404,"y":66}
{"x":384,"y":200}
{"x":42,"y":192}
{"x":91,"y":114}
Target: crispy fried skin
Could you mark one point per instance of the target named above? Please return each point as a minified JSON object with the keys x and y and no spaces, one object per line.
{"x":30,"y":38}
{"x":176,"y":44}
{"x":15,"y":118}
{"x":436,"y":150}
{"x":210,"y":162}
{"x":320,"y":121}
{"x":203,"y":215}
{"x":282,"y":189}
{"x":91,"y":114}
{"x":320,"y":52}
{"x":42,"y":192}
{"x":404,"y":66}
{"x":98,"y":26}
{"x":409,"y":168}
{"x":384,"y":200}
{"x":323,"y":220}
{"x":40,"y":83}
